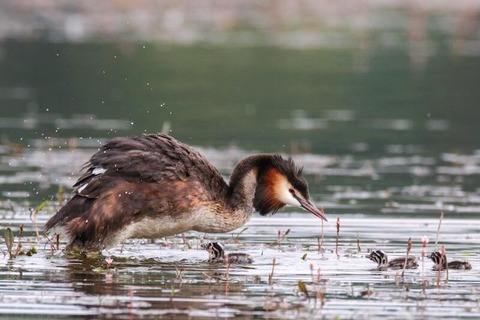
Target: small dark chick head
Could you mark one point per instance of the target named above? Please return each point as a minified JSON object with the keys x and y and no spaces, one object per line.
{"x":438,"y":259}
{"x":215,"y":251}
{"x":378,"y":256}
{"x":280,"y":183}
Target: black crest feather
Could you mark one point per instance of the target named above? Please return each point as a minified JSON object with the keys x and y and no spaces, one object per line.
{"x":265,"y":201}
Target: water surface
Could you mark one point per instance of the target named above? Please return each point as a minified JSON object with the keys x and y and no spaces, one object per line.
{"x":388,"y":139}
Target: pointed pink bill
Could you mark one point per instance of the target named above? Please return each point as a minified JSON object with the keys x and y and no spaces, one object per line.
{"x":310,"y":207}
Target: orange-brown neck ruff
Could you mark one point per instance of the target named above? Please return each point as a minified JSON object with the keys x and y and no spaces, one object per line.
{"x":266,"y":195}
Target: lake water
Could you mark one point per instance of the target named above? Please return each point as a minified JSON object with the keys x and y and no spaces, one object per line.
{"x":388,"y":143}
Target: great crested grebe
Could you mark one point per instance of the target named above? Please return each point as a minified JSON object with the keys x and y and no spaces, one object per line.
{"x":381,"y":258}
{"x":154,"y":186}
{"x":441,"y":261}
{"x":217,"y":254}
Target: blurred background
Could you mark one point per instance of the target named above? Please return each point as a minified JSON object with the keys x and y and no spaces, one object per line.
{"x":367,"y":78}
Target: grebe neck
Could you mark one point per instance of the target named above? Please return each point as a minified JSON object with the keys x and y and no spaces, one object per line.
{"x":243,"y":183}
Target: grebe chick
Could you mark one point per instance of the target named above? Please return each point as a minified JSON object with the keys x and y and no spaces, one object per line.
{"x":442,"y":261}
{"x":154,"y":186}
{"x":381,"y":258}
{"x":217,"y":254}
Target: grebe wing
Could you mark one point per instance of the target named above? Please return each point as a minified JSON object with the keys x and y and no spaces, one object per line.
{"x":153,"y":158}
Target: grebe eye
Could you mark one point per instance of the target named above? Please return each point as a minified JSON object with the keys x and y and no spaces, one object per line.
{"x":291,"y":191}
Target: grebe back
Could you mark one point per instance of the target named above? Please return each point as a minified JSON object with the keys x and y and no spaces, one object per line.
{"x":155,"y":186}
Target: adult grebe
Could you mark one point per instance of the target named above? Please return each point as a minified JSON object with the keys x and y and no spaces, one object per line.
{"x":155,"y":186}
{"x":381,"y":258}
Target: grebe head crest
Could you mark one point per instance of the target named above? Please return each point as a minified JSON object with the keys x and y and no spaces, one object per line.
{"x":280,"y":183}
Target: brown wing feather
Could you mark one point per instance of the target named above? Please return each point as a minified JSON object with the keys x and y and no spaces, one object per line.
{"x":149,"y":158}
{"x":128,"y":177}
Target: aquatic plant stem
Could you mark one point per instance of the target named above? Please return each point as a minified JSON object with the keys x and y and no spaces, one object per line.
{"x":336,"y":242}
{"x":109,"y":261}
{"x":50,"y":242}
{"x":359,"y":249}
{"x":186,"y":242}
{"x":61,"y":195}
{"x":227,"y":268}
{"x":320,"y":240}
{"x":227,"y":274}
{"x":438,"y":229}
{"x":19,"y":244}
{"x":270,"y":277}
{"x":9,"y":241}
{"x":409,"y":247}
{"x":424,"y":246}
{"x":281,"y":237}
{"x":443,"y":258}
{"x":33,"y":217}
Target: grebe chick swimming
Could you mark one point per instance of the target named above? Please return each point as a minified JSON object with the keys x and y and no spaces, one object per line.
{"x":154,"y":186}
{"x":381,"y":258}
{"x":442,"y":262}
{"x":217,"y":254}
